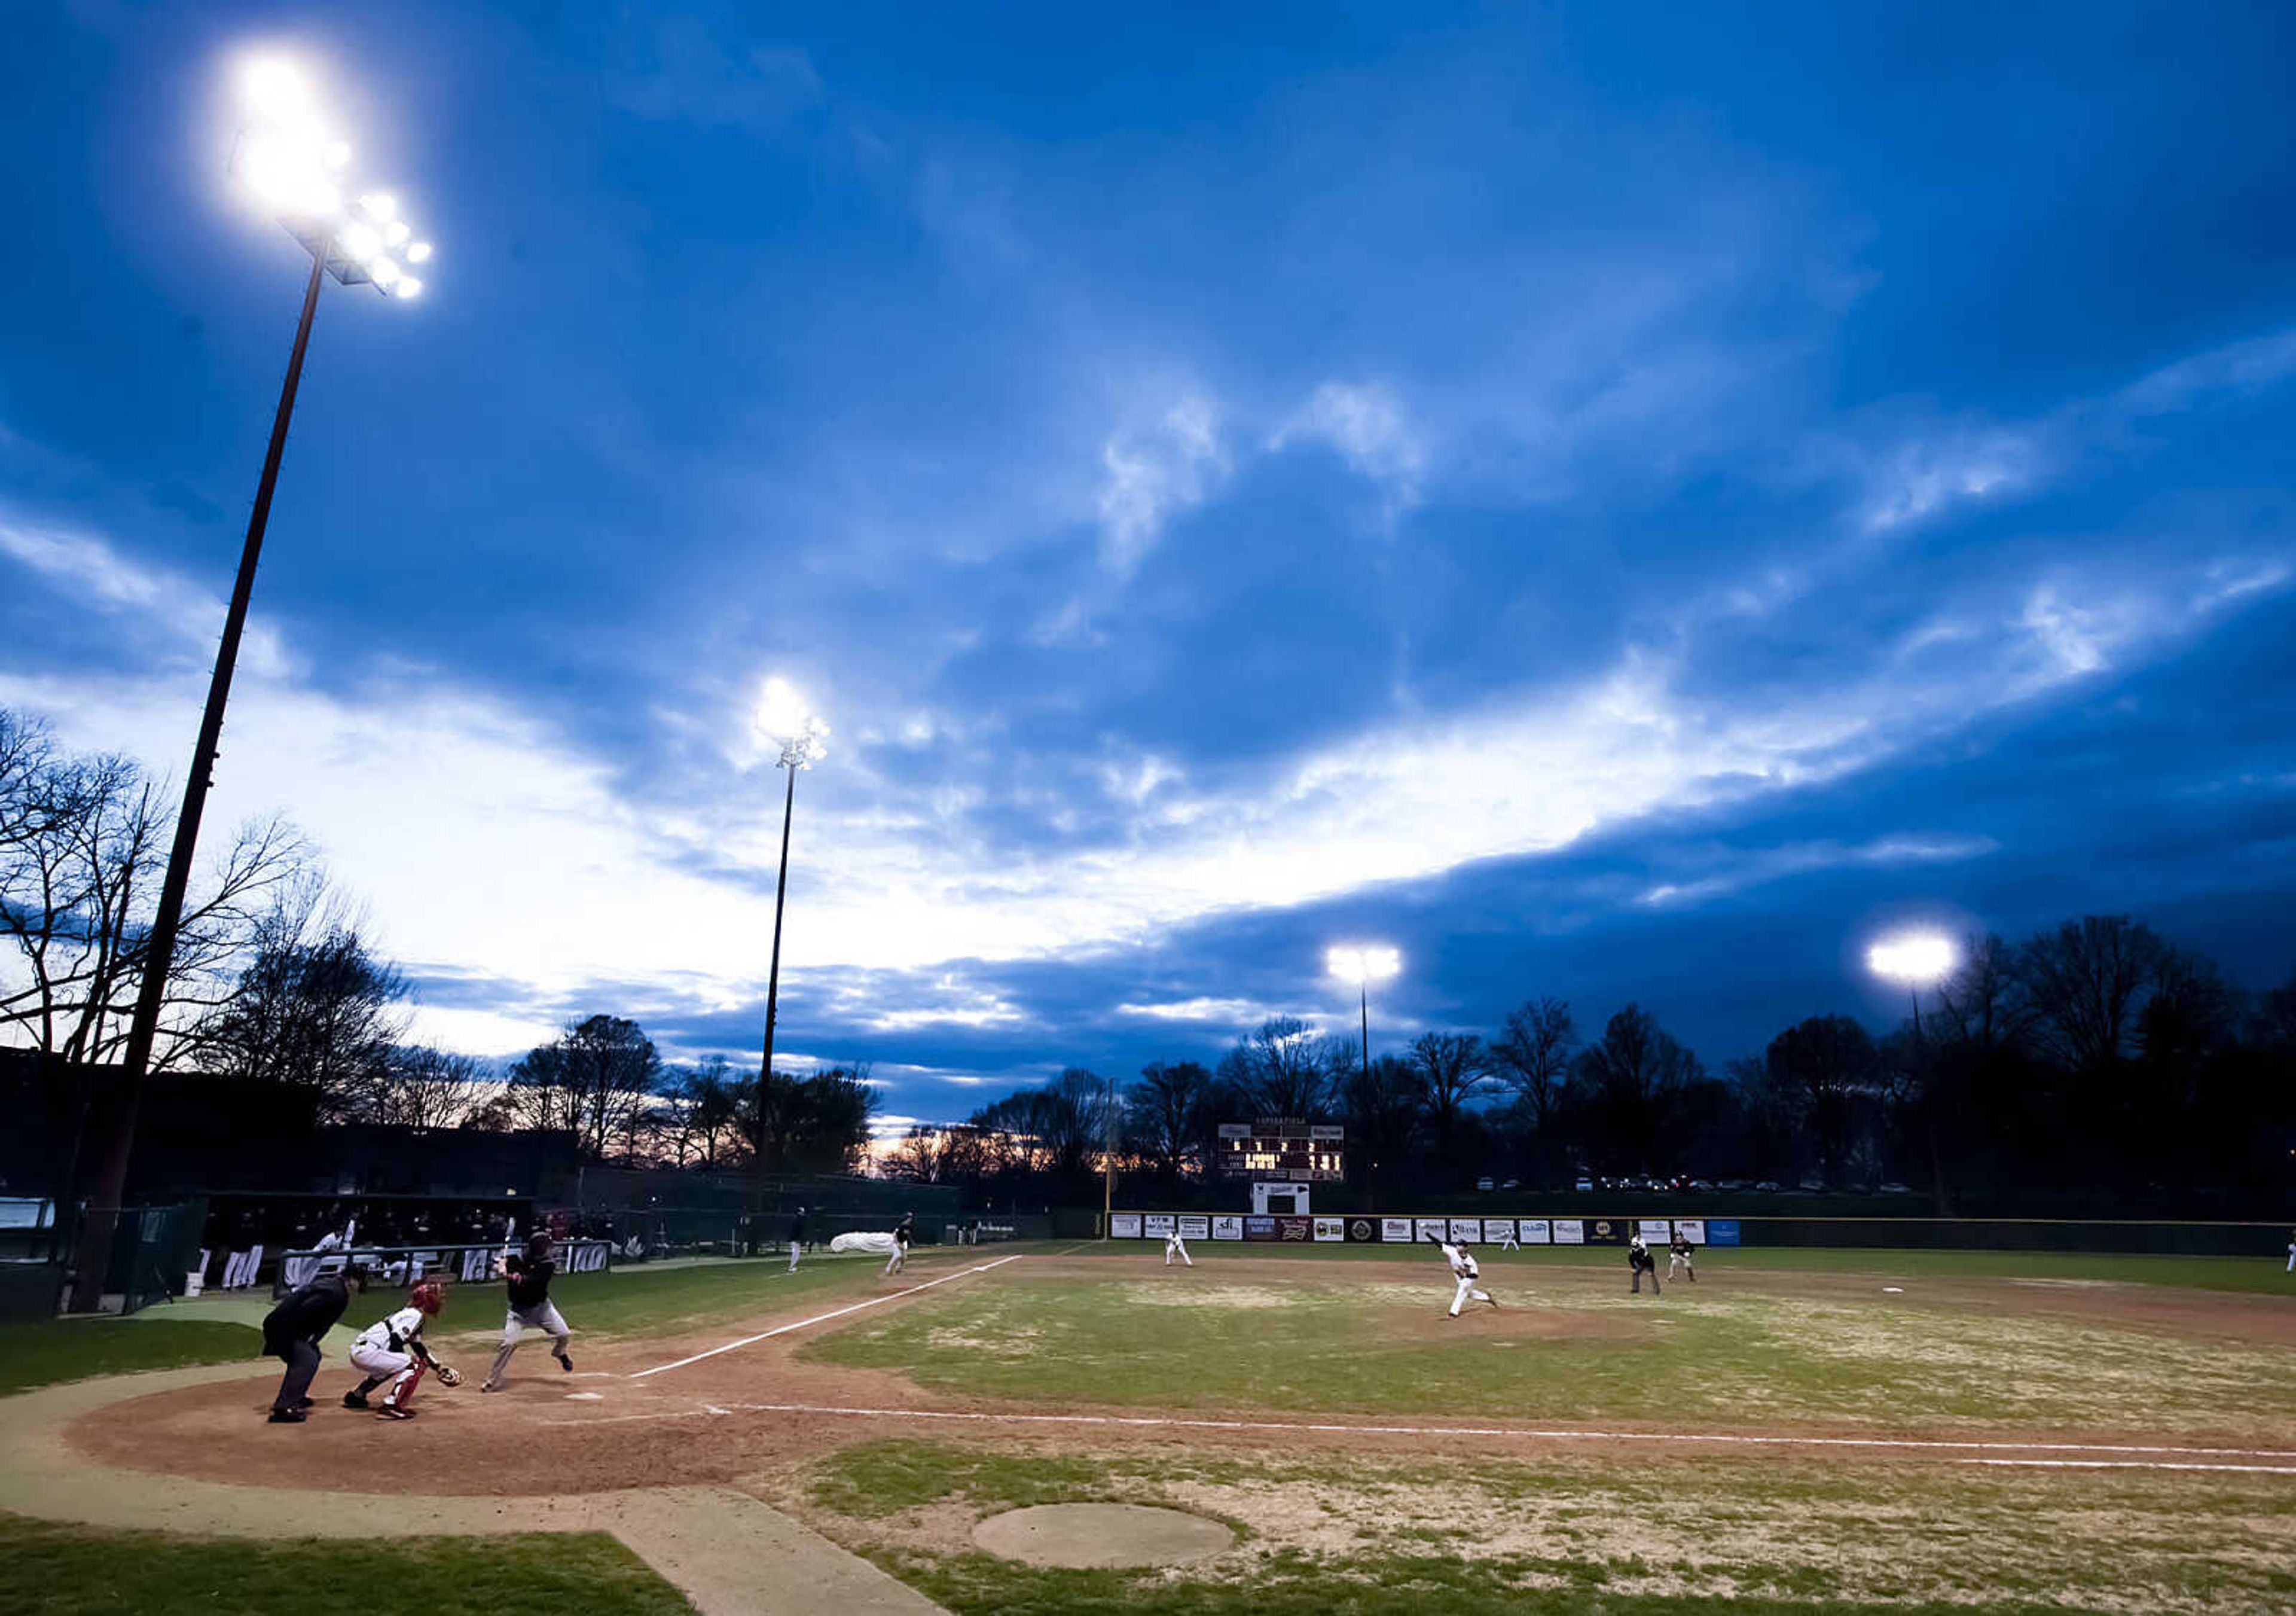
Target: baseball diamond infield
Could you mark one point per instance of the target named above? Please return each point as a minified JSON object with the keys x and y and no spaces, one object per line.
{"x":1327,"y":1411}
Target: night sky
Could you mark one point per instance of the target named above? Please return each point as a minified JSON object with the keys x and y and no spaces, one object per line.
{"x":1621,"y":502}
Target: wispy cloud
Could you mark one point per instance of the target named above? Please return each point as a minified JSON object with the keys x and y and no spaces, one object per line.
{"x":87,"y":570}
{"x":1149,"y":474}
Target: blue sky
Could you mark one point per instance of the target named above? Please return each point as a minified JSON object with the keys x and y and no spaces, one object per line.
{"x":1618,"y":502}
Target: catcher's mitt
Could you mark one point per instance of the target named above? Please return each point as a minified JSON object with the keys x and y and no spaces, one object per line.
{"x":449,"y":1375}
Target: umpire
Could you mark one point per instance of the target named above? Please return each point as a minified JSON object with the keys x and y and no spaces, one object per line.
{"x":292,"y":1331}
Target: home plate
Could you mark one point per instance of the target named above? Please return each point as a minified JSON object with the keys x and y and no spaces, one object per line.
{"x":1893,"y":1290}
{"x":586,"y":1397}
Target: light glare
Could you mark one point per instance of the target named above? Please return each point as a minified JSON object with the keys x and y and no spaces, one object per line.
{"x":407,"y":287}
{"x":359,"y":240}
{"x":1913,"y":959}
{"x":419,"y":253}
{"x":381,"y":206}
{"x":781,"y":714}
{"x":276,"y":89}
{"x":1363,"y":966}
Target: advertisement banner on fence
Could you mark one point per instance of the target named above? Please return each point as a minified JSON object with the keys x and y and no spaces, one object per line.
{"x":1569,"y":1232}
{"x":1605,"y":1231}
{"x":1331,"y":1228}
{"x":1397,"y":1229}
{"x":1124,"y":1225}
{"x":1295,"y":1228}
{"x":1498,"y":1229}
{"x":1258,"y":1227}
{"x":1466,"y":1228}
{"x":1431,"y":1228}
{"x":1157,"y":1225}
{"x":1535,"y":1231}
{"x":1227,"y":1228}
{"x":1362,"y":1229}
{"x":1195,"y":1226}
{"x":1656,"y":1231}
{"x":1721,"y":1231}
{"x":1692,"y":1229}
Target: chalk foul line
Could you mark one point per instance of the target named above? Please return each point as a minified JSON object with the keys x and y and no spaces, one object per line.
{"x":823,"y":1318}
{"x":2154,"y":1456}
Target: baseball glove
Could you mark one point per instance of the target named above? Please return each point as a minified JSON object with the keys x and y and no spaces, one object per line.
{"x":449,"y":1375}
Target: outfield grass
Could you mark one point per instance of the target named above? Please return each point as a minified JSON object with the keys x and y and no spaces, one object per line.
{"x":2263,"y":1276}
{"x":1570,"y":1348}
{"x":60,"y":1570}
{"x":1401,"y":1536}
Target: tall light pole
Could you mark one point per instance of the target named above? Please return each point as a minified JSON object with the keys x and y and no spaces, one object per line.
{"x":783,"y":717}
{"x":1914,"y":960}
{"x":292,"y":164}
{"x":1364,"y":964}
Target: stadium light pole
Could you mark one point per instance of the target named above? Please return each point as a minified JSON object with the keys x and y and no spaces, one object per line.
{"x":784,"y":717}
{"x":1363,"y":965}
{"x":1914,"y":960}
{"x":292,"y":165}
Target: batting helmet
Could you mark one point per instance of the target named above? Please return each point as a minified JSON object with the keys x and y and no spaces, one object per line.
{"x":537,"y":1244}
{"x":426,"y":1297}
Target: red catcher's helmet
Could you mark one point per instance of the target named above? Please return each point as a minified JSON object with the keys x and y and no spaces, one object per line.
{"x":426,"y":1297}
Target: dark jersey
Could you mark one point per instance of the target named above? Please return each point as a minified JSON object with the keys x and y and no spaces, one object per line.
{"x":797,"y":1229}
{"x":1682,"y":1248}
{"x":530,"y":1281}
{"x":309,"y":1313}
{"x":1639,"y":1257}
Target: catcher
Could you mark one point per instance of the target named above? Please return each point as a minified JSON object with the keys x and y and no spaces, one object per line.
{"x":393,"y":1350}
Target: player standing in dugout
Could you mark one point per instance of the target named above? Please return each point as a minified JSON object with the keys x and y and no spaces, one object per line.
{"x":530,"y":1308}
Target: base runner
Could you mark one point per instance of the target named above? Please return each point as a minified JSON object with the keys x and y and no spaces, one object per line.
{"x":530,"y":1308}
{"x":1678,"y":1261}
{"x":392,"y":1350}
{"x":1464,"y":1270}
{"x":1639,"y":1263}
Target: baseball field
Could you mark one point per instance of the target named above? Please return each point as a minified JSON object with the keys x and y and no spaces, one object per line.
{"x":1795,"y":1431}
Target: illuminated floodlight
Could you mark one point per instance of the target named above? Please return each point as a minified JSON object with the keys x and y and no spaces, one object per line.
{"x":1364,"y":964}
{"x":1913,"y":959}
{"x":784,"y":717}
{"x":292,"y":164}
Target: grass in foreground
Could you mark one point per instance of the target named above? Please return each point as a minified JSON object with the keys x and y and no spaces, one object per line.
{"x":1572,"y":1345}
{"x":72,"y":1572}
{"x":1385,"y":1535}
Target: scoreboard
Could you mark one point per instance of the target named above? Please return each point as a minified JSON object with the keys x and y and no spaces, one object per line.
{"x":1282,"y":1148}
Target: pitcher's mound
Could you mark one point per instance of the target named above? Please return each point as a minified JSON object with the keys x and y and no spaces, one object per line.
{"x":1101,"y":1535}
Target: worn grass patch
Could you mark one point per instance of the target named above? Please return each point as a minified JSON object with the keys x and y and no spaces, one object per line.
{"x":71,"y":1571}
{"x":1376,"y":1534}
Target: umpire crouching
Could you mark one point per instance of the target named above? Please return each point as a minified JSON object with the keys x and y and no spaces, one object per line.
{"x":292,"y":1331}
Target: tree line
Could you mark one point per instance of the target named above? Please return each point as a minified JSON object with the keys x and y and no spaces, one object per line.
{"x":2093,"y":1060}
{"x":274,"y":982}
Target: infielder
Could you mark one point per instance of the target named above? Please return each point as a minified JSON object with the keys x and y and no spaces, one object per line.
{"x":392,"y":1350}
{"x":797,"y":1238}
{"x":1639,"y":1263}
{"x":1507,"y":1241}
{"x":1464,"y":1270}
{"x":291,"y":1333}
{"x":903,"y":1233}
{"x":1678,"y":1259}
{"x":530,"y":1308}
{"x":2291,"y":1252}
{"x":1174,"y":1246}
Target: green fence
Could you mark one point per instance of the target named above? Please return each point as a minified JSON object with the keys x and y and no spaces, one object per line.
{"x":152,"y":1248}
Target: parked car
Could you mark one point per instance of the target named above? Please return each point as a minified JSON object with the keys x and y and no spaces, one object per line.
{"x":1895,"y":1189}
{"x":1811,"y":1186}
{"x":1700,"y":1186}
{"x":1767,"y":1187}
{"x":1484,"y":1184}
{"x":1582,"y":1184}
{"x":1511,"y":1183}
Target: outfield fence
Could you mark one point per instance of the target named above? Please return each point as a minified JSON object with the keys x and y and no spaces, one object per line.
{"x":2251,"y":1239}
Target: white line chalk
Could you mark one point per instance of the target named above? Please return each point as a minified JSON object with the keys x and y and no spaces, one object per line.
{"x":823,"y":1318}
